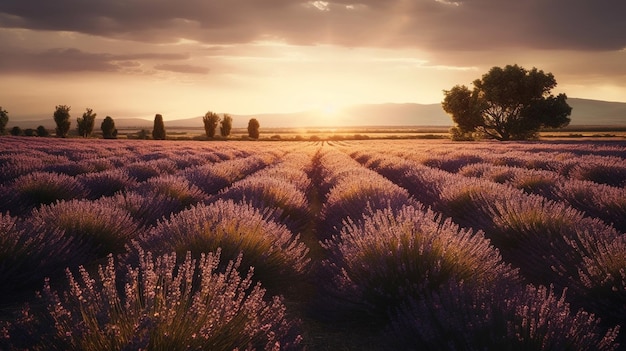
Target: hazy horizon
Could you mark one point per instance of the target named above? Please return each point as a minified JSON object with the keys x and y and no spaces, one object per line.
{"x":585,"y":112}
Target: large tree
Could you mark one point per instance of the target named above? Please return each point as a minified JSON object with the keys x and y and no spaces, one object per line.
{"x":4,"y":119}
{"x":62,"y":120}
{"x":226,"y":125}
{"x":509,"y":103}
{"x":86,"y":123}
{"x":108,"y":128}
{"x":210,"y":120}
{"x":158,"y":132}
{"x":253,"y":128}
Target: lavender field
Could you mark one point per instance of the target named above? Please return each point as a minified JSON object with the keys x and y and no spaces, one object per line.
{"x":359,"y":245}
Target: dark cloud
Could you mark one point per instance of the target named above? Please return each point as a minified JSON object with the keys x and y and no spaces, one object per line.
{"x":435,"y":24}
{"x":64,"y":60}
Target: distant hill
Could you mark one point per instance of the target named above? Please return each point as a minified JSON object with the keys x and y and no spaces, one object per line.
{"x":597,"y":113}
{"x":584,"y":112}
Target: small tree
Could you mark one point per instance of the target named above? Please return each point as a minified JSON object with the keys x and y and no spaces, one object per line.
{"x":158,"y":132}
{"x":4,"y":119}
{"x":143,"y":134}
{"x":108,"y":128}
{"x":16,"y":131}
{"x":42,"y":131}
{"x":86,"y":123}
{"x":210,"y":119}
{"x":508,"y":103}
{"x":226,"y":125}
{"x":253,"y":128}
{"x":62,"y":120}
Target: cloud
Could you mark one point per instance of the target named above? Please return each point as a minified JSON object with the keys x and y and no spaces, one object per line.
{"x":66,"y":60}
{"x":430,"y":24}
{"x":182,"y":68}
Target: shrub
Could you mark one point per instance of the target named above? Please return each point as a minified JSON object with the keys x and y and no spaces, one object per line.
{"x":175,"y":187}
{"x":165,"y":306}
{"x":544,"y":237}
{"x":598,"y":200}
{"x":602,"y":281}
{"x":41,"y":188}
{"x":92,"y":226}
{"x":146,"y":208}
{"x":212,"y":178}
{"x":28,"y":253}
{"x":71,"y":168}
{"x":276,"y":254}
{"x":16,"y":131}
{"x":143,"y":171}
{"x":458,"y":318}
{"x":269,"y":192}
{"x":392,"y":256}
{"x":353,"y":198}
{"x":607,"y":172}
{"x":15,"y":165}
{"x":106,"y":183}
{"x":542,"y":183}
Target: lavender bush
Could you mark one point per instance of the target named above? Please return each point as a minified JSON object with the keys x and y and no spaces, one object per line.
{"x":610,"y":172}
{"x":212,"y":178}
{"x":601,"y":284}
{"x":393,"y":256}
{"x":276,"y":254}
{"x":270,"y":192}
{"x":40,"y":188}
{"x":162,"y":305}
{"x":462,"y":318}
{"x":28,"y":253}
{"x":95,"y":227}
{"x":553,"y":211}
{"x":175,"y":187}
{"x":106,"y":183}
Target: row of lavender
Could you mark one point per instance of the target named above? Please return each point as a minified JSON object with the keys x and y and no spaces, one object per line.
{"x":430,"y":283}
{"x":163,"y":249}
{"x":557,"y":227}
{"x":200,"y":232}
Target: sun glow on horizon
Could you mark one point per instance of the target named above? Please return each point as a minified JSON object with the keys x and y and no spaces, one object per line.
{"x":327,"y":114}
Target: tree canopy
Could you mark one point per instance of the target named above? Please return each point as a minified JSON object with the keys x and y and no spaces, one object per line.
{"x":509,"y":103}
{"x":62,"y":120}
{"x":210,"y":120}
{"x":253,"y":128}
{"x":226,"y":125}
{"x":108,"y":128}
{"x":86,"y":123}
{"x":4,"y":119}
{"x":158,"y":132}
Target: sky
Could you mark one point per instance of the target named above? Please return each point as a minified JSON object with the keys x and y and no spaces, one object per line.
{"x":136,"y":58}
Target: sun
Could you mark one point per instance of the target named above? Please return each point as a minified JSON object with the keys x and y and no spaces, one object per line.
{"x":327,"y":114}
{"x":329,"y":110}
